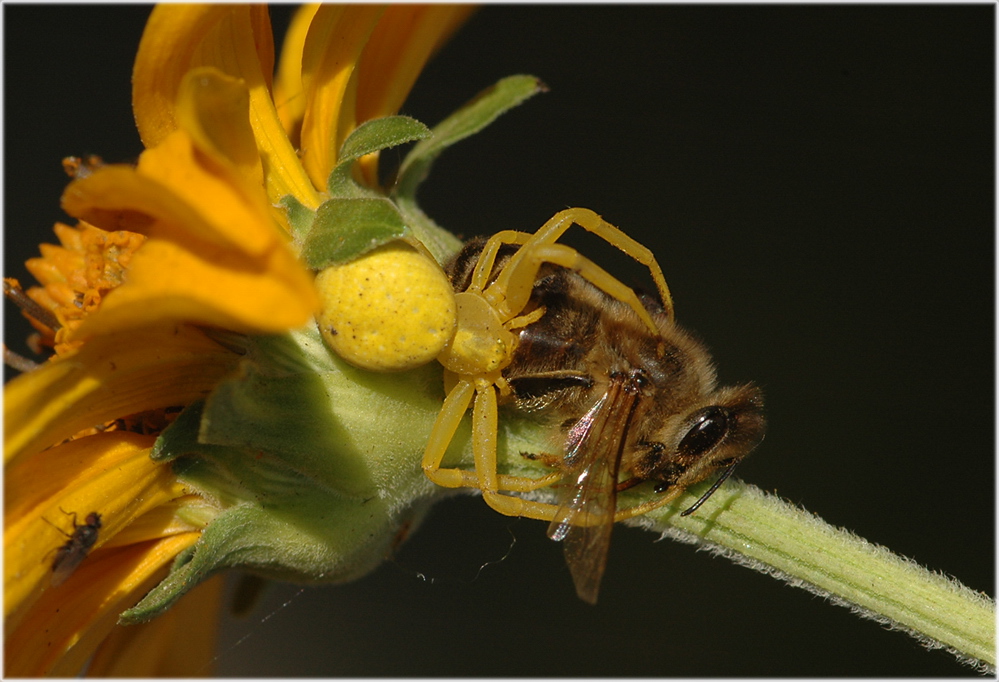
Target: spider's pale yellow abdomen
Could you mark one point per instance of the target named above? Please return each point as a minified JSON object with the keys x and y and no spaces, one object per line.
{"x":390,"y":310}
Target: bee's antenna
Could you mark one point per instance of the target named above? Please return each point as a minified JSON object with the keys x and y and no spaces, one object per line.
{"x":711,"y":491}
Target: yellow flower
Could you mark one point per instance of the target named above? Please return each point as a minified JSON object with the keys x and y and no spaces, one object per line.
{"x":144,"y":302}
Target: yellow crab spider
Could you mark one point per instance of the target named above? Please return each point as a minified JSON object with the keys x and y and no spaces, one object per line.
{"x":485,"y":340}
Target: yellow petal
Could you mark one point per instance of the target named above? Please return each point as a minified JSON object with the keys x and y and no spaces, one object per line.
{"x":332,"y":49}
{"x":174,"y":194}
{"x":289,"y":97}
{"x":400,"y":46}
{"x":66,"y":624}
{"x":210,"y":286}
{"x":215,"y":255}
{"x":405,"y":38}
{"x":235,"y":40}
{"x":172,"y":36}
{"x":111,"y":376}
{"x":108,"y":473}
{"x":214,"y":110}
{"x":180,"y":643}
{"x":175,"y":40}
{"x":183,"y":514}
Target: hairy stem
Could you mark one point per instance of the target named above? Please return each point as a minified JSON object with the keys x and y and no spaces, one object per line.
{"x":773,"y":536}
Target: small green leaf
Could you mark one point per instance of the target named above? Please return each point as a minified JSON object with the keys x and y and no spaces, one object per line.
{"x":381,"y":133}
{"x":299,"y":216}
{"x":367,"y":138}
{"x":470,"y":119}
{"x":347,"y":228}
{"x":341,"y":184}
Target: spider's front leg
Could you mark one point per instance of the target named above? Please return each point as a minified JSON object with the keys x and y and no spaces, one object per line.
{"x":455,"y":405}
{"x":485,"y":477}
{"x":484,"y":430}
{"x":514,"y":284}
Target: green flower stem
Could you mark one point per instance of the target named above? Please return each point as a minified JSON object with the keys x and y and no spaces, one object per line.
{"x":766,"y":533}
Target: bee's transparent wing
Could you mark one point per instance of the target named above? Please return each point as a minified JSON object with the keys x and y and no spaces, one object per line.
{"x":588,"y":493}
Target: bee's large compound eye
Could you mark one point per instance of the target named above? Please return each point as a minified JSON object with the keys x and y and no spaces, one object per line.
{"x":709,"y":427}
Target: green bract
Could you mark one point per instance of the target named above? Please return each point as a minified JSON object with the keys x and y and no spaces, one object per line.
{"x":315,"y":464}
{"x":344,"y":229}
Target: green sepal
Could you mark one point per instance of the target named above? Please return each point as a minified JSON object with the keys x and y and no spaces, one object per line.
{"x":299,"y":533}
{"x":470,"y":119}
{"x":300,"y":216}
{"x":284,"y":449}
{"x":369,"y":137}
{"x":290,"y":417}
{"x":293,"y":399}
{"x":347,"y":228}
{"x":313,"y":465}
{"x":180,"y":437}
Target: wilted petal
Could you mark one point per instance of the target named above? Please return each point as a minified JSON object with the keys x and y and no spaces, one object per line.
{"x":215,"y":254}
{"x":174,"y":193}
{"x":109,"y":377}
{"x":208,"y":286}
{"x":214,"y":110}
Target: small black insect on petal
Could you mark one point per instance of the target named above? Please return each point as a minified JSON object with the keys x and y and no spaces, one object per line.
{"x":75,"y":550}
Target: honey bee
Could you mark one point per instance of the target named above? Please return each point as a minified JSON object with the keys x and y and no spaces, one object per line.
{"x":72,"y":553}
{"x":634,"y":406}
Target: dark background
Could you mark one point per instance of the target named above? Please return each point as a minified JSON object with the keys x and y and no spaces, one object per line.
{"x":817,"y":183}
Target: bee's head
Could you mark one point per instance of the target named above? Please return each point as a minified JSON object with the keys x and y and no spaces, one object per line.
{"x":711,"y":437}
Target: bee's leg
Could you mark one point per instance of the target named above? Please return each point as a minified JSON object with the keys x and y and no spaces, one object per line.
{"x":661,"y":500}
